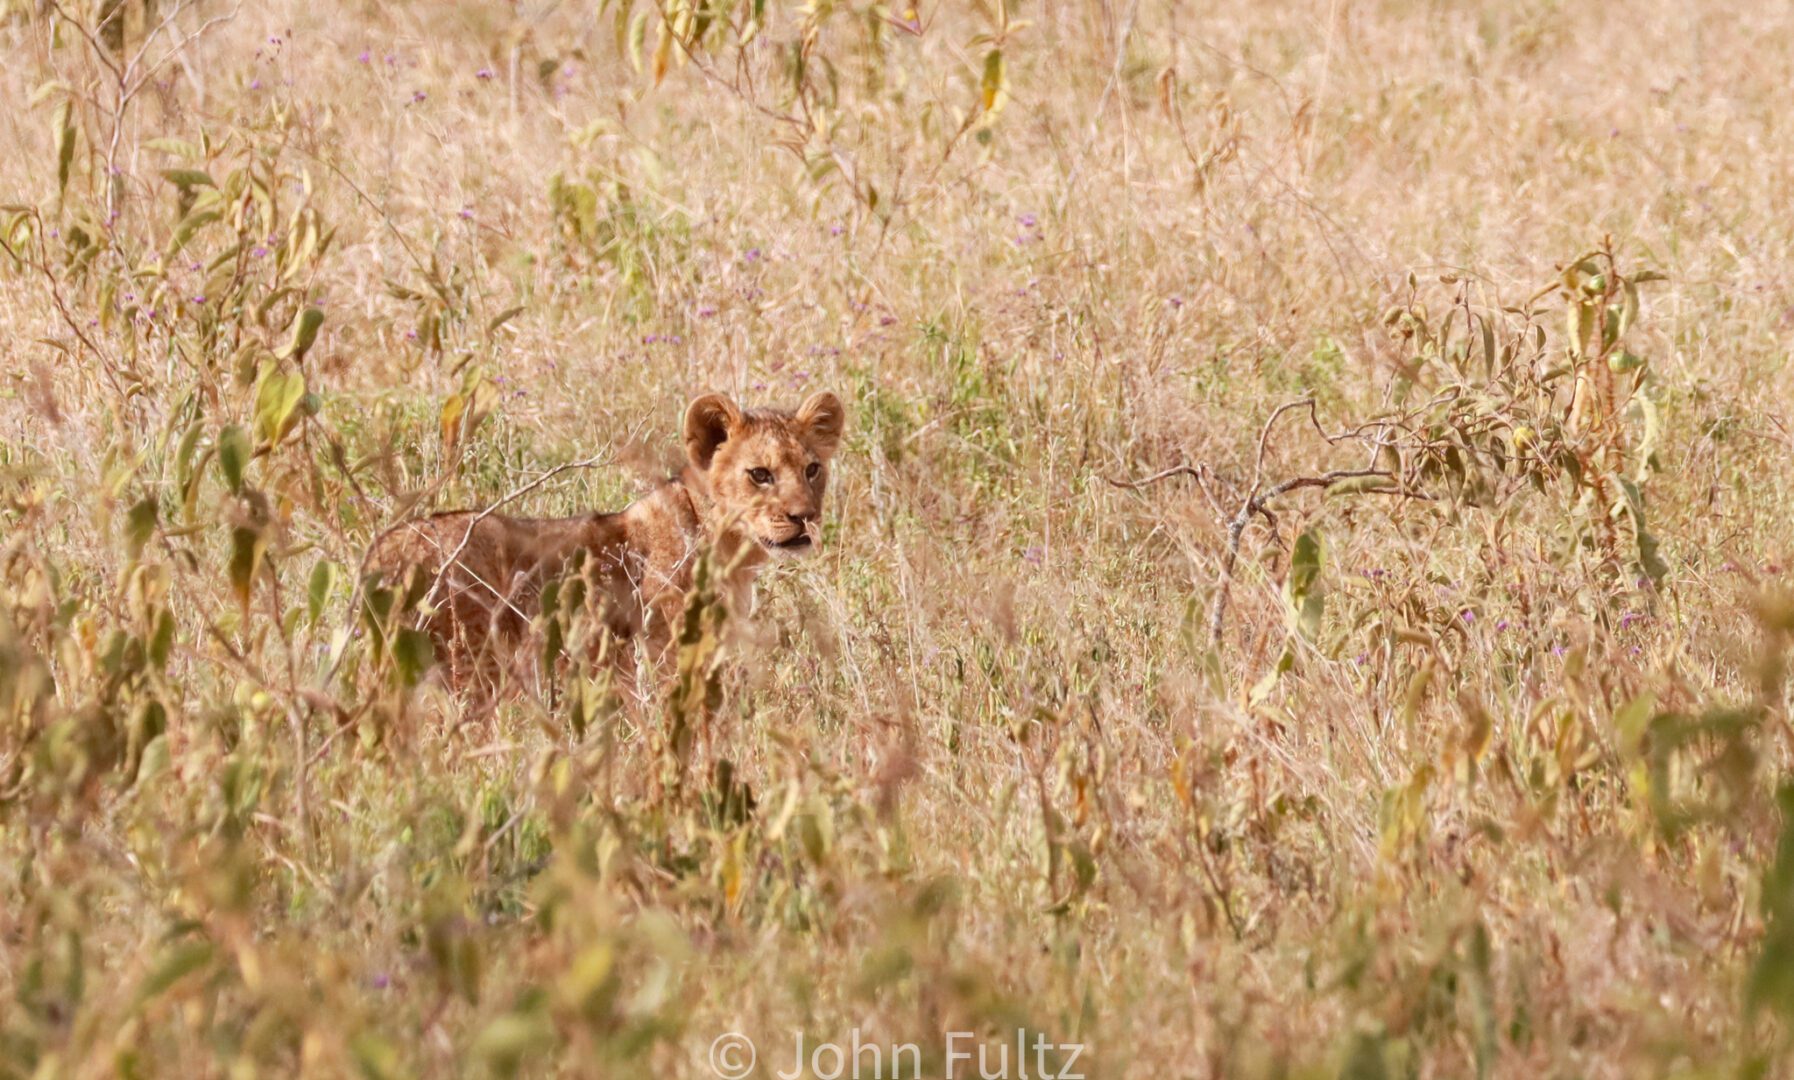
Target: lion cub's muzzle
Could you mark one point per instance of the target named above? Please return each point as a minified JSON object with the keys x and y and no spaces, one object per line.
{"x":802,"y":541}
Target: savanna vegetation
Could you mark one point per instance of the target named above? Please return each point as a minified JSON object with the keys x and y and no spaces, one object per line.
{"x":1302,"y":594}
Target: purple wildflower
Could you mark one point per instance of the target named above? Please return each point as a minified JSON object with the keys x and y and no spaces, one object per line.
{"x":255,"y":84}
{"x":418,"y":95}
{"x":753,"y":255}
{"x":363,"y":58}
{"x":258,"y":252}
{"x":1033,"y":556}
{"x":1028,"y":221}
{"x":484,"y":74}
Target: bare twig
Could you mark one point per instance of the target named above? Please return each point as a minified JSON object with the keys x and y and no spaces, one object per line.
{"x":467,"y":537}
{"x":1102,"y":104}
{"x":1257,"y":500}
{"x":42,"y":264}
{"x":1195,"y":473}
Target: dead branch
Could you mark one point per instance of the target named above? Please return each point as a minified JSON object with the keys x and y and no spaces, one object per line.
{"x":1257,"y":500}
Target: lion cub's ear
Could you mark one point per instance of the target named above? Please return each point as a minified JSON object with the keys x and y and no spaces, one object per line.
{"x":821,"y":417}
{"x":708,"y":423}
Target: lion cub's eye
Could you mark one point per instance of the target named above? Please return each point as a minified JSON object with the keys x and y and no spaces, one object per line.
{"x":813,"y":468}
{"x":762,"y":477}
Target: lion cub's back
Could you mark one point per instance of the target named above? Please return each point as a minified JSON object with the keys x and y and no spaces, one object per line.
{"x":427,"y":543}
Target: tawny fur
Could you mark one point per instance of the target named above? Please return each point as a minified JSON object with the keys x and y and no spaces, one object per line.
{"x":751,"y":491}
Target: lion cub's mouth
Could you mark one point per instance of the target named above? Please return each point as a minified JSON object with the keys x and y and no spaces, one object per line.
{"x":800,"y":542}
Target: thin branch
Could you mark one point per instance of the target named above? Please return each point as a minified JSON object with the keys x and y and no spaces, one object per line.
{"x":1165,"y":474}
{"x":467,"y":537}
{"x":1257,"y":500}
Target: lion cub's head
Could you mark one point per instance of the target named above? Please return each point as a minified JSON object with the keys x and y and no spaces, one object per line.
{"x":767,"y":468}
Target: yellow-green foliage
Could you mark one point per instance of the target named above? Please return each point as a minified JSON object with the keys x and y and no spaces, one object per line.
{"x":1301,"y":594}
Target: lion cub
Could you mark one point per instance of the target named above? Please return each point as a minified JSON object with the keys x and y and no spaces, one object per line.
{"x":751,"y":491}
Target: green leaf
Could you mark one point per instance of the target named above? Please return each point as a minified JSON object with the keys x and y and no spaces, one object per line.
{"x":277,"y":400}
{"x":506,"y":1041}
{"x":64,"y":125}
{"x":994,"y":86}
{"x":377,"y":1058}
{"x":453,"y":408}
{"x":177,"y":147}
{"x":189,"y":227}
{"x":1632,"y":506}
{"x":323,"y":578}
{"x":414,"y":653}
{"x":1579,"y":322}
{"x":1306,"y":605}
{"x":174,"y":964}
{"x":189,"y":178}
{"x":233,"y":456}
{"x":140,"y":522}
{"x":305,"y":331}
{"x":247,"y":546}
{"x":816,"y":830}
{"x":638,"y":33}
{"x":1628,"y":304}
{"x":1266,"y":686}
{"x":161,"y":642}
{"x":1633,"y":719}
{"x":1772,"y":976}
{"x":502,"y":318}
{"x":463,"y":410}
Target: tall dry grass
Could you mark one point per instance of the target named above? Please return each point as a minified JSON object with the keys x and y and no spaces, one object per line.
{"x":1470,"y":784}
